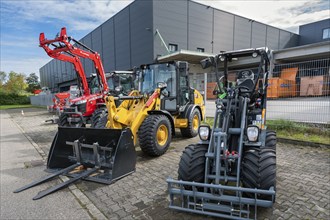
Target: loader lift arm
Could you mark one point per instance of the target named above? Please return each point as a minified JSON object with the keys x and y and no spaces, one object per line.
{"x":65,"y":46}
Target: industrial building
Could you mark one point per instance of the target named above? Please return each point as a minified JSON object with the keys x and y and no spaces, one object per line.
{"x":151,"y":31}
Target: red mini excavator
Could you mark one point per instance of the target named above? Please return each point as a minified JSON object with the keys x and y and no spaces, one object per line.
{"x":79,"y":113}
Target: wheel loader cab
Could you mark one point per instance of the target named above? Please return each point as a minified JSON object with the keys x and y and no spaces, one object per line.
{"x":175,"y":75}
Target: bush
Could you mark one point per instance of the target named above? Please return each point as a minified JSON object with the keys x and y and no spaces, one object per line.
{"x":13,"y":99}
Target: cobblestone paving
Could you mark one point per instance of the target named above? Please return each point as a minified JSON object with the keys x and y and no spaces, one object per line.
{"x":303,"y":179}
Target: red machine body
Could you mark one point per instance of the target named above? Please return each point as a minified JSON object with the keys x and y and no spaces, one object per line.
{"x":59,"y":102}
{"x":81,"y":108}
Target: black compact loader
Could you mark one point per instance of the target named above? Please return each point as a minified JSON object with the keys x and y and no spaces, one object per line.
{"x":232,"y":171}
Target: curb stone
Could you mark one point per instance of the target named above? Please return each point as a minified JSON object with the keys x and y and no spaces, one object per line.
{"x":303,"y":143}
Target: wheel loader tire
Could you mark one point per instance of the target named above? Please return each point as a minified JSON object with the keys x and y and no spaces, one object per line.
{"x":102,"y":122}
{"x":97,"y":115}
{"x":194,"y":121}
{"x":271,"y":140}
{"x":259,"y":169}
{"x":63,"y":121}
{"x":192,"y":163}
{"x":155,"y":135}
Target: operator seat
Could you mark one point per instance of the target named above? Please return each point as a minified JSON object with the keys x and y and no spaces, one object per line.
{"x":245,"y":80}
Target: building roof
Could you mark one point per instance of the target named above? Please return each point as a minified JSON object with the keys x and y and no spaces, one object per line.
{"x":193,"y":57}
{"x":309,"y":51}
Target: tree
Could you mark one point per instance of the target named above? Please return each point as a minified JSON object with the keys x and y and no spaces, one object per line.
{"x":33,"y":82}
{"x":3,"y":77}
{"x":15,"y":83}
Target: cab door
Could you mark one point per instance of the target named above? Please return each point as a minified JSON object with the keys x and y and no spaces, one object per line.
{"x":184,"y":94}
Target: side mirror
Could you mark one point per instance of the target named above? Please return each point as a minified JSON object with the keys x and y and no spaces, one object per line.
{"x":161,"y":85}
{"x":207,"y":62}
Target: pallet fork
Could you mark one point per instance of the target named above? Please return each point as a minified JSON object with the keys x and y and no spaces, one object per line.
{"x":105,"y":161}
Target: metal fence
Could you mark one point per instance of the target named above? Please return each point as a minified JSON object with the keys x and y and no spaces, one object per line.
{"x":42,"y":100}
{"x":300,"y":92}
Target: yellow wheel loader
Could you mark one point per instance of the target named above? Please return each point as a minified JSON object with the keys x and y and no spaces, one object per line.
{"x":165,"y":102}
{"x":103,"y":154}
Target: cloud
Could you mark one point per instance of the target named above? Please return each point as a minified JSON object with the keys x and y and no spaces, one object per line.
{"x":22,"y":21}
{"x":26,"y":66}
{"x":285,"y":14}
{"x":78,"y":15}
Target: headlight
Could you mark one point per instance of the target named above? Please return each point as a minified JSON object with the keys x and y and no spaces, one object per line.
{"x":204,"y":132}
{"x":81,"y":102}
{"x":252,"y":133}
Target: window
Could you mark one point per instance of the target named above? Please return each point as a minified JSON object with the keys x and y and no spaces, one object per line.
{"x":173,"y":47}
{"x":199,"y":49}
{"x":326,"y":33}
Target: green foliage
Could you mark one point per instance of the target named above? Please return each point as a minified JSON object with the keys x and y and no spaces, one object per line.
{"x":3,"y":77}
{"x":4,"y":107}
{"x":33,"y":82}
{"x":15,"y":83}
{"x":294,"y":130}
{"x":300,"y":131}
{"x":13,"y":99}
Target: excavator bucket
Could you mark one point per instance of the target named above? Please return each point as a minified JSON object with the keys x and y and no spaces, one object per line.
{"x":111,"y":150}
{"x":99,"y":155}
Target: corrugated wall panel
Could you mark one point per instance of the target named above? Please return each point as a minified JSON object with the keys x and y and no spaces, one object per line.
{"x":272,"y":38}
{"x":108,"y":45}
{"x":284,"y":39}
{"x":64,"y":71}
{"x":200,"y":27}
{"x":258,"y":35}
{"x":122,"y":39}
{"x":242,"y":33}
{"x":41,"y":74}
{"x":97,"y":43}
{"x":141,"y":34}
{"x":88,"y":64}
{"x":52,"y":72}
{"x":223,"y":31}
{"x":170,"y":18}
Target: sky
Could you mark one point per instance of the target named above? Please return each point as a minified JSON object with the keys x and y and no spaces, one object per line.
{"x":21,"y":22}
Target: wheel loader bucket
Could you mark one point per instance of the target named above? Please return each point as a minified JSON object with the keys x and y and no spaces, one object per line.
{"x":112,"y":151}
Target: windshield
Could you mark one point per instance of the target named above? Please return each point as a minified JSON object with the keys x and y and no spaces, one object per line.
{"x":126,"y":81}
{"x":74,"y":92}
{"x":159,"y":73}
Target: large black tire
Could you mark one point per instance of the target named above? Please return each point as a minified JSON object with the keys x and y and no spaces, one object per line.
{"x":102,"y":122}
{"x":63,"y":122}
{"x":97,"y":115}
{"x":192,"y":163}
{"x":155,"y":135}
{"x":271,"y":140}
{"x":194,"y":121}
{"x":259,"y":169}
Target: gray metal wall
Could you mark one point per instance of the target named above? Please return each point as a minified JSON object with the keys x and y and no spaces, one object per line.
{"x":191,"y":25}
{"x":128,"y":39}
{"x":313,"y":32}
{"x":123,"y":41}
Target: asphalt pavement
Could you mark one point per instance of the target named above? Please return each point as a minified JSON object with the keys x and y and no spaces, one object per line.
{"x":20,"y":165}
{"x":310,"y":110}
